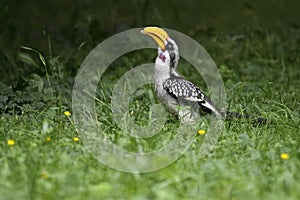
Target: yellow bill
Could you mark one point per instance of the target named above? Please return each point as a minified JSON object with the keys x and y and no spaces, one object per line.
{"x":158,"y":34}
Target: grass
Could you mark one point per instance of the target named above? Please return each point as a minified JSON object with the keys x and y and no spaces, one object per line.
{"x":261,"y":75}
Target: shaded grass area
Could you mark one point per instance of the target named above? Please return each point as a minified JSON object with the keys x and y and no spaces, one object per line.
{"x":261,"y":76}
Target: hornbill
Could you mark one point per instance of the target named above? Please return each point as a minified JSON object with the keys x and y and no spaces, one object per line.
{"x":178,"y":94}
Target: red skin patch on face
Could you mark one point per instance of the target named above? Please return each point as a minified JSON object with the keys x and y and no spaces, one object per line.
{"x":162,"y":57}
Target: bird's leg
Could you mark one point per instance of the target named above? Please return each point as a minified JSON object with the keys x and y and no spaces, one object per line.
{"x":186,"y":115}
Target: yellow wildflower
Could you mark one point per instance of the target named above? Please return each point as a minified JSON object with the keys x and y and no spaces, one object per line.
{"x":284,"y":156}
{"x":11,"y":142}
{"x":44,"y":174}
{"x":67,"y":113}
{"x":76,"y":139}
{"x":201,"y":132}
{"x":48,"y":139}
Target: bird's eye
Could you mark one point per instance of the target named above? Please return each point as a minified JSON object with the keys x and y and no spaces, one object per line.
{"x":172,"y":55}
{"x":169,"y":46}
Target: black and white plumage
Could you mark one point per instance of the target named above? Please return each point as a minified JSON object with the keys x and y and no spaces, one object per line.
{"x":188,"y":94}
{"x":180,"y":95}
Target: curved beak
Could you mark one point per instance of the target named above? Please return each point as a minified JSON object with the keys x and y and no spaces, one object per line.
{"x":158,"y":34}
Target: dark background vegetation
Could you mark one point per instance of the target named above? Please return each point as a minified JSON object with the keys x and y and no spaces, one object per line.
{"x":74,"y":27}
{"x":64,"y":32}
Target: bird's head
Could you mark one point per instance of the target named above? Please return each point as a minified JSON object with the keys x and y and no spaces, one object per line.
{"x":168,"y":53}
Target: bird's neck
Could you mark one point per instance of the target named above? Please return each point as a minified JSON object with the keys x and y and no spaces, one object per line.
{"x":163,"y":71}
